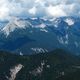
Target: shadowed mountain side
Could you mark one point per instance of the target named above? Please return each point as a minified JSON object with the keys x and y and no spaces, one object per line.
{"x":44,"y":66}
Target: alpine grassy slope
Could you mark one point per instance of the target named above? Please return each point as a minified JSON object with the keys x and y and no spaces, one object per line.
{"x":56,"y":65}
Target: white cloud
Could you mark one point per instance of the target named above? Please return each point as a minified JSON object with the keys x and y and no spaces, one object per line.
{"x":4,"y":12}
{"x":33,"y":10}
{"x":56,"y":11}
{"x":40,"y":2}
{"x":39,"y":8}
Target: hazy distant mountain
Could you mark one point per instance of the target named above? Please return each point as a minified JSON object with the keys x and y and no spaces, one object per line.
{"x":56,"y":65}
{"x":39,"y":35}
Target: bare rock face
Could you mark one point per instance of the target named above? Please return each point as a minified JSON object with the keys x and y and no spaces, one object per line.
{"x":38,"y":70}
{"x":14,"y":71}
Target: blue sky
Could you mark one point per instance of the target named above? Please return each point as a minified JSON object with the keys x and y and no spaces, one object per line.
{"x":39,"y":8}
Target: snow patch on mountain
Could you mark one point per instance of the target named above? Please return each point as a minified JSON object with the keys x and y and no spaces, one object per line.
{"x":11,"y":26}
{"x":69,"y":21}
{"x":52,"y":19}
{"x":44,"y":30}
{"x":21,"y":54}
{"x":15,"y":24}
{"x":42,"y":25}
{"x":63,"y":40}
{"x":33,"y":18}
{"x":56,"y":21}
{"x":45,"y":19}
{"x":39,"y":50}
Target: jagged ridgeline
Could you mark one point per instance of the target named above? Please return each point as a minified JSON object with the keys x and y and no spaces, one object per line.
{"x":56,"y":65}
{"x":39,"y":35}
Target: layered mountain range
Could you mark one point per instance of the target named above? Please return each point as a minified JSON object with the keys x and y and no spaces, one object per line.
{"x":39,"y":35}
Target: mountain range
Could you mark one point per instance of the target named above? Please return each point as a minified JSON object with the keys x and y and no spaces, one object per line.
{"x":40,"y":35}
